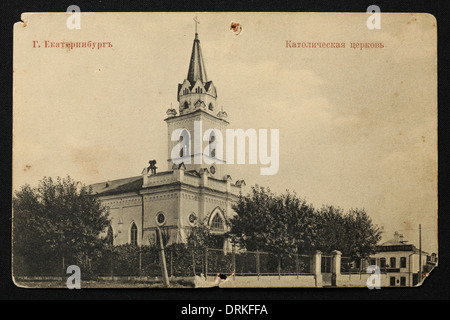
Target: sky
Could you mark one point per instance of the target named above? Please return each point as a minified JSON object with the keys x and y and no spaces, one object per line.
{"x":358,"y":128}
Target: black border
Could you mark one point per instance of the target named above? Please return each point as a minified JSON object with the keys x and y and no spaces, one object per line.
{"x":436,"y":287}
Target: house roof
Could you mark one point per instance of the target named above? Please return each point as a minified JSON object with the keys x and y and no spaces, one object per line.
{"x":393,"y":242}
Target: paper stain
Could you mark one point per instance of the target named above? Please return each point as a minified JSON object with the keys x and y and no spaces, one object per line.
{"x":236,"y":28}
{"x":27,"y":167}
{"x":87,"y":158}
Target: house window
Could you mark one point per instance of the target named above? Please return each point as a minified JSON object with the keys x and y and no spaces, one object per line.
{"x":402,"y":262}
{"x":392,"y":281}
{"x":217,"y":223}
{"x":403,"y":281}
{"x":382,"y":262}
{"x":134,"y":235}
{"x":373,"y":262}
{"x":393,"y":263}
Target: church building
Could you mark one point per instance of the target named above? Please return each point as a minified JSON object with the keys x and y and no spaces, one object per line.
{"x":190,"y":190}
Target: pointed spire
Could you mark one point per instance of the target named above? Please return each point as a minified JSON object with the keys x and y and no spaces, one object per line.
{"x":196,"y":66}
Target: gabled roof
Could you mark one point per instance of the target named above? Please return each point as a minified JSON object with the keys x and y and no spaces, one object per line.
{"x":198,"y":83}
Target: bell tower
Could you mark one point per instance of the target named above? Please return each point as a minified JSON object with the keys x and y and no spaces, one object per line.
{"x":195,"y":132}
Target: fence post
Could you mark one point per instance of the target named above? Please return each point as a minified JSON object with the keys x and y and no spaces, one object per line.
{"x":171,"y":264}
{"x":193,"y":261}
{"x":162,"y":258}
{"x":206,"y":263}
{"x":112,"y":265}
{"x":296,"y":264}
{"x":63,"y":268}
{"x":336,"y":267}
{"x":279,"y":268}
{"x":140,"y":261}
{"x":258,"y":263}
{"x":316,"y":267}
{"x":233,"y":261}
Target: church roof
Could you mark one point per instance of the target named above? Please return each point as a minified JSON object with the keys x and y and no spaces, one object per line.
{"x":207,"y":85}
{"x":197,"y":69}
{"x":132,"y":184}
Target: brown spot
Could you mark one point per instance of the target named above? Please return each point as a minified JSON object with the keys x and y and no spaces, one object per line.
{"x":236,"y":28}
{"x":423,"y":138}
{"x":396,"y":94}
{"x":24,"y":25}
{"x":27,"y":167}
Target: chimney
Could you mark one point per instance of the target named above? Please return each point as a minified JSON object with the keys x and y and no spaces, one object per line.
{"x":396,"y":236}
{"x":152,"y":168}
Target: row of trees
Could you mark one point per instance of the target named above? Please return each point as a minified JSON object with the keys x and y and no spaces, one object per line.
{"x":286,"y":224}
{"x":61,"y":218}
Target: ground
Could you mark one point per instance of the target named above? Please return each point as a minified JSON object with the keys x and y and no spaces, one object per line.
{"x":102,"y":284}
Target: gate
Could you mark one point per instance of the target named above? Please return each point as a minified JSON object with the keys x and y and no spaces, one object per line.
{"x":328,"y":278}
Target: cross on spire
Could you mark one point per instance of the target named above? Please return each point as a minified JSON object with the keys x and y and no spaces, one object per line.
{"x":196,"y":23}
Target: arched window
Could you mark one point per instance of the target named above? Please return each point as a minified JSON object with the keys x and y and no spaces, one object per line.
{"x":134,"y":235}
{"x":217,"y":223}
{"x":184,"y":141}
{"x":211,"y":107}
{"x":186,"y":105}
{"x":212,"y":145}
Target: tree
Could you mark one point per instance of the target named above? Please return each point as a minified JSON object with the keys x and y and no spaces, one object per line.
{"x":352,"y":233}
{"x":58,"y":219}
{"x":280,"y":224}
{"x":199,"y":236}
{"x":286,"y":224}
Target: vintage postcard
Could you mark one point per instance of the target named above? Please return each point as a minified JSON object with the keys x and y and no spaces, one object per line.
{"x":232,"y":150}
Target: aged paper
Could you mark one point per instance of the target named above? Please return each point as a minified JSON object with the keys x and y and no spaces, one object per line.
{"x":169,"y":117}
